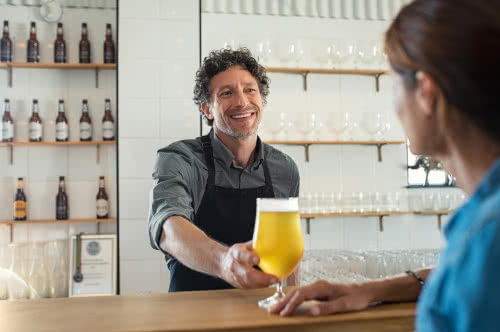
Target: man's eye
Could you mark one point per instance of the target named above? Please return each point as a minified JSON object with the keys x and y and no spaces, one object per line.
{"x":225,"y":93}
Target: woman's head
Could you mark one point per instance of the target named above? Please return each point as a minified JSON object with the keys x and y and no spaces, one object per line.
{"x":446,"y":56}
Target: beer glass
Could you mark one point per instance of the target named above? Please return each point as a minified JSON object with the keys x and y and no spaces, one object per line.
{"x":277,"y":239}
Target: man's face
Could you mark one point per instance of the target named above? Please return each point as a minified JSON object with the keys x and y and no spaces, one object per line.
{"x":236,"y":106}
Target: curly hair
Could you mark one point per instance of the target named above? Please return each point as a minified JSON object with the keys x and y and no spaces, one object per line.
{"x":220,"y":60}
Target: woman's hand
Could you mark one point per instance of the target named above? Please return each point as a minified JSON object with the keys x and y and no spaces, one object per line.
{"x":333,"y":297}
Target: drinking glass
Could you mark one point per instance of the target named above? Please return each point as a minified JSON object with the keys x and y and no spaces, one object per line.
{"x":277,"y":239}
{"x":306,"y":123}
{"x":371,"y":123}
{"x":338,"y":122}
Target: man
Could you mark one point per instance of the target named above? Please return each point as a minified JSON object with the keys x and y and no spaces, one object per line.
{"x":203,"y":201}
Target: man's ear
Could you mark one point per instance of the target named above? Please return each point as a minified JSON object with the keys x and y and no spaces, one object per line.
{"x":206,"y":110}
{"x":426,"y":93}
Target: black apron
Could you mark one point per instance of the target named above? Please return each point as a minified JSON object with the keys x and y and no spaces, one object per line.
{"x":226,"y":215}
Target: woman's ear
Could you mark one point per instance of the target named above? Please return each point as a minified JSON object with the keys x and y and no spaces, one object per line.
{"x":205,"y":108}
{"x":426,"y":93}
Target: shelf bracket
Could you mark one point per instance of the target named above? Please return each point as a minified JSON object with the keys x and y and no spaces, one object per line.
{"x":98,"y":227}
{"x":439,"y":221}
{"x":9,"y":76}
{"x":381,"y":223}
{"x":304,"y":80}
{"x":308,"y":226}
{"x":306,"y":150}
{"x":11,"y":232}
{"x":377,"y":82}
{"x":11,"y":154}
{"x":98,"y":157}
{"x":97,"y":78}
{"x":379,"y":151}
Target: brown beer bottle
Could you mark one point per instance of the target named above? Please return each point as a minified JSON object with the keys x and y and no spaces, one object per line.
{"x":102,"y":201}
{"x":35,"y":125}
{"x":7,"y":123}
{"x":20,"y":205}
{"x":85,"y":123}
{"x":33,"y":46}
{"x":62,"y":128}
{"x":60,"y":46}
{"x":62,"y":210}
{"x":108,"y":124}
{"x":84,"y":50}
{"x":5,"y":44}
{"x":109,"y":46}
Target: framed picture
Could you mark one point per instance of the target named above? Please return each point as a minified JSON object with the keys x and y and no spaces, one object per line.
{"x":93,"y":266}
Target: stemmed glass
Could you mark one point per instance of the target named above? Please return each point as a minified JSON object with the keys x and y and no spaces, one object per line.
{"x":277,"y":239}
{"x":372,"y":123}
{"x":306,"y":123}
{"x":338,"y":122}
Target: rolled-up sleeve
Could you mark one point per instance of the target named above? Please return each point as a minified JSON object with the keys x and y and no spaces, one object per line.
{"x":171,"y":193}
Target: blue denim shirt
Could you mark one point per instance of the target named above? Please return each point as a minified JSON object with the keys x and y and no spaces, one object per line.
{"x":463,"y":291}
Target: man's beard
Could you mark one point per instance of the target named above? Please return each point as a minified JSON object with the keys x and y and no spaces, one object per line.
{"x":231,"y":132}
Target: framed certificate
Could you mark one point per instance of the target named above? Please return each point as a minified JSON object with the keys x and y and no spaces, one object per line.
{"x":93,"y":267}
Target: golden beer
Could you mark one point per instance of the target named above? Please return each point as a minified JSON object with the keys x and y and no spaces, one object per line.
{"x":279,"y":242}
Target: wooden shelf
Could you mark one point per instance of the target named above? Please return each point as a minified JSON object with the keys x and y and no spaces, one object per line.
{"x":433,"y":213}
{"x":353,"y":214}
{"x":69,"y":143}
{"x":11,"y":223}
{"x":97,"y":144}
{"x":38,"y":65}
{"x":376,"y":73}
{"x":306,"y":144}
{"x":41,"y":65}
{"x":54,"y":221}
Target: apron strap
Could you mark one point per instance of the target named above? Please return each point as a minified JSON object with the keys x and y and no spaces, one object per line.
{"x":208,"y":152}
{"x":267,"y":177}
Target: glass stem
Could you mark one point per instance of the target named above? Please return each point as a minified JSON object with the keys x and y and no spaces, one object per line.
{"x":279,"y":290}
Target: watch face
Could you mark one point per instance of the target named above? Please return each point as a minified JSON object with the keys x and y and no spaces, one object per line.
{"x":51,"y":10}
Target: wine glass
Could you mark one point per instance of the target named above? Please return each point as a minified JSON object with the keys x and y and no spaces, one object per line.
{"x":277,"y":239}
{"x":338,"y":122}
{"x":371,"y":123}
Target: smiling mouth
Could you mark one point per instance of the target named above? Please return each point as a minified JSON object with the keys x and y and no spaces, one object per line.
{"x":241,"y":116}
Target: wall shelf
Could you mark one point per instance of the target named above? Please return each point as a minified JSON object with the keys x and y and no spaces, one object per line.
{"x":376,"y":73}
{"x":10,"y":223}
{"x":307,"y":144}
{"x":37,"y":65}
{"x":11,"y":146}
{"x":380,"y":215}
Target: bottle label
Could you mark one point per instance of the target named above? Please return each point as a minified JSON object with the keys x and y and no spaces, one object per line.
{"x":20,"y":209}
{"x":108,"y":130}
{"x":7,"y":130}
{"x":109,"y":55}
{"x":62,"y":131}
{"x":85,"y":54}
{"x":33,"y":55}
{"x":35,"y":131}
{"x":61,"y":210}
{"x":85,"y":130}
{"x":5,"y":52}
{"x":102,"y":207}
{"x":60,"y":55}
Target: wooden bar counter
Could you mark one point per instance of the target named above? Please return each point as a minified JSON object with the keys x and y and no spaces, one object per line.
{"x":228,"y":310}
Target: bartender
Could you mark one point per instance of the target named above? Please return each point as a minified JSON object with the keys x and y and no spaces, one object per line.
{"x":203,"y":202}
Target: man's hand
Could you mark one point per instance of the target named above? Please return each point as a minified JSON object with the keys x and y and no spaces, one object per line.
{"x":334,"y":297}
{"x":237,"y":268}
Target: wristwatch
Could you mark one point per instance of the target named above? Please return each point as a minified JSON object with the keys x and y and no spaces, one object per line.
{"x":416,"y":276}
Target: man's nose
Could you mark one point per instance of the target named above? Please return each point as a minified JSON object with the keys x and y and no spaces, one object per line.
{"x":241,"y":98}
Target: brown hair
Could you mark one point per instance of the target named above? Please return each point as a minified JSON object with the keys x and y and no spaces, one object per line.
{"x":458,"y":44}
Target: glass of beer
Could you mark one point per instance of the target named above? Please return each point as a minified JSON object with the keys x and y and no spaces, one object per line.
{"x":277,"y":239}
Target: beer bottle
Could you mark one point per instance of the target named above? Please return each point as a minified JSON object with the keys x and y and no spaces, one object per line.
{"x":33,"y":45}
{"x":20,"y":205}
{"x":84,"y":50}
{"x":5,"y":44}
{"x":109,"y":46}
{"x":62,"y":128}
{"x":108,"y":124}
{"x":102,"y":201}
{"x":85,"y":123}
{"x":35,"y":125}
{"x":60,"y":46}
{"x":7,"y":123}
{"x":62,"y":210}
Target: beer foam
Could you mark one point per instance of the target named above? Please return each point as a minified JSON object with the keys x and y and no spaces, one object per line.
{"x":278,"y":204}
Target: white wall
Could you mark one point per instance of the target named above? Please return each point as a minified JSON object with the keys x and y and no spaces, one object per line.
{"x":158,"y":59}
{"x":41,"y":166}
{"x":159,"y":55}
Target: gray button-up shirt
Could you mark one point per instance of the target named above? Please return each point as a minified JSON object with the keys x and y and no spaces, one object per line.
{"x":180,"y":176}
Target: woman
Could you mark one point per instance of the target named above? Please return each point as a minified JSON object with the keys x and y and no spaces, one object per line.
{"x":445,"y":59}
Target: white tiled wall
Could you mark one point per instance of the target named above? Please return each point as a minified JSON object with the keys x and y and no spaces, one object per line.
{"x":159,"y":55}
{"x":41,"y":166}
{"x":158,"y":59}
